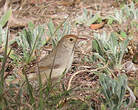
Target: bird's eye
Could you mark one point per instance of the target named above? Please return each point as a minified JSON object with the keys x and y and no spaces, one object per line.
{"x":71,"y":39}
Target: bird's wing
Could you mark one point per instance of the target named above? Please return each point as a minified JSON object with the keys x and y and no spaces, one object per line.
{"x":47,"y":63}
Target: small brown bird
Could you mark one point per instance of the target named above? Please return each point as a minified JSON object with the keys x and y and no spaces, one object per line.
{"x":57,"y":62}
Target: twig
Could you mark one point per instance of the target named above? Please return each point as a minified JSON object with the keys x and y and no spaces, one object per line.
{"x":132,"y":97}
{"x":69,"y":84}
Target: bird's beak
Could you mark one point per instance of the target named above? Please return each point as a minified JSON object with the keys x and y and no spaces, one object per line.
{"x":82,"y":38}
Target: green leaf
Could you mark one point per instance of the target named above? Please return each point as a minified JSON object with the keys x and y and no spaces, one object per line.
{"x":28,"y":37}
{"x":3,"y":34}
{"x":31,"y":26}
{"x":31,"y":39}
{"x":113,"y":40}
{"x":51,"y":29}
{"x":113,"y":90}
{"x":66,"y":29}
{"x":5,"y":17}
{"x":110,"y":20}
{"x":123,"y":34}
{"x":99,"y":57}
{"x":123,"y":47}
{"x":95,"y":46}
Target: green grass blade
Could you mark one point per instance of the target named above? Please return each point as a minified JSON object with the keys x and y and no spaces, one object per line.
{"x":29,"y":86}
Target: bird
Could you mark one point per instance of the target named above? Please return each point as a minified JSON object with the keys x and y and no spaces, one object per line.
{"x":57,"y":62}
